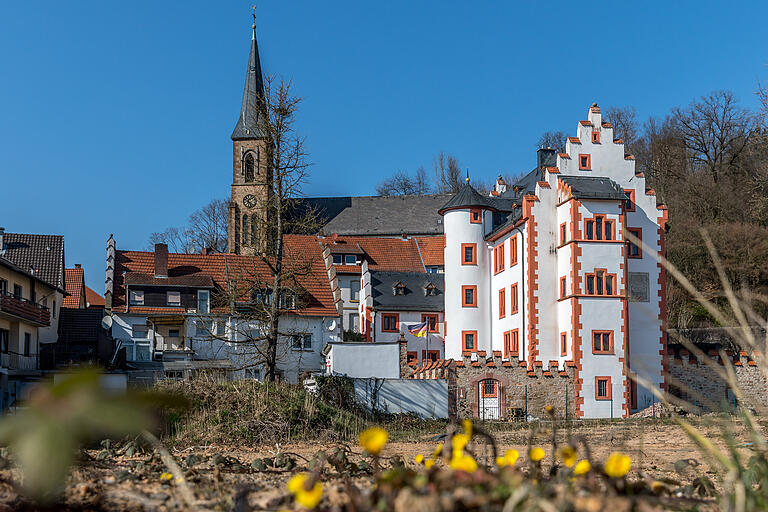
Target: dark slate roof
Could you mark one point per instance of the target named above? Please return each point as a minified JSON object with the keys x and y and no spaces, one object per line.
{"x":468,"y":197}
{"x":415,"y":299}
{"x":593,"y":187}
{"x":40,"y":255}
{"x":248,"y":124}
{"x":194,"y":280}
{"x":378,"y":215}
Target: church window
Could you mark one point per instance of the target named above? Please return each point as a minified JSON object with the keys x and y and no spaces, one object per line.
{"x":246,"y":230}
{"x":254,"y":226}
{"x":248,"y":168}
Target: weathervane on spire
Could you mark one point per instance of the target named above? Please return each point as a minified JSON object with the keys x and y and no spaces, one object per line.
{"x":253,"y":13}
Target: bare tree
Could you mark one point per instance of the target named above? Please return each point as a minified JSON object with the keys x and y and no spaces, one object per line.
{"x":421,"y":182}
{"x":554,"y":140}
{"x":399,"y":184}
{"x":260,"y":295}
{"x":625,"y":124}
{"x":715,"y":131}
{"x":177,"y":240}
{"x":447,"y":173}
{"x":207,"y":227}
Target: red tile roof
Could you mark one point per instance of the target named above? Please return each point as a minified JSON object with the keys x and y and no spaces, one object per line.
{"x":432,"y":249}
{"x":74,"y":281}
{"x":93,"y":298}
{"x":384,"y":253}
{"x":299,"y":250}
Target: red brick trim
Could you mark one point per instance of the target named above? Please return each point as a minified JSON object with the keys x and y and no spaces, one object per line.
{"x":533,"y":267}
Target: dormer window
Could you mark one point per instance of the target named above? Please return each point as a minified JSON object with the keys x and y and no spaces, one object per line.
{"x":203,"y":301}
{"x":350,"y":259}
{"x":399,"y":289}
{"x":430,"y":290}
{"x":338,"y":259}
{"x":174,"y":298}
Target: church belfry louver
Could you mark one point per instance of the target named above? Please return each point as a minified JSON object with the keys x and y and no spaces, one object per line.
{"x":250,"y":172}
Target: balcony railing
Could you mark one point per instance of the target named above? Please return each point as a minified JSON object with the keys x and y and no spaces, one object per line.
{"x":14,"y":361}
{"x":25,"y":309}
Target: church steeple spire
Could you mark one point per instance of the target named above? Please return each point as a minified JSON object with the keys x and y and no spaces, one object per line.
{"x":249,"y":123}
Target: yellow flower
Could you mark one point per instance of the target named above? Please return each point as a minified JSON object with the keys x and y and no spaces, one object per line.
{"x":548,"y":408}
{"x":582,"y":467}
{"x":467,"y":426}
{"x":419,"y":459}
{"x":305,"y":498}
{"x":437,"y":451}
{"x":459,"y":443}
{"x":373,"y":439}
{"x":429,"y":463}
{"x":464,"y":463}
{"x":509,"y":458}
{"x":617,"y":465}
{"x":568,"y":456}
{"x":536,"y":454}
{"x":166,"y":476}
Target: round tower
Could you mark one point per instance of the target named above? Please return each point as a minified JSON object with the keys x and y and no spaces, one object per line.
{"x":467,"y":217}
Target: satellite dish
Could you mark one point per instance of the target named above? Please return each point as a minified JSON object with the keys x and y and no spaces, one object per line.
{"x":106,"y":322}
{"x":332,"y":325}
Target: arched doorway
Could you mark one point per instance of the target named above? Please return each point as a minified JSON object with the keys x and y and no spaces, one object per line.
{"x":489,"y":394}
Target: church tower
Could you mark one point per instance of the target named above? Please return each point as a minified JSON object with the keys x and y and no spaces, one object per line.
{"x":250,"y":172}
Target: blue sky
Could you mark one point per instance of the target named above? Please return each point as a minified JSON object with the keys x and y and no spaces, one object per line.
{"x":115,"y":116}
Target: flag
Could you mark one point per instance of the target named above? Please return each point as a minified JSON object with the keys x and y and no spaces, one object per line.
{"x":418,"y":330}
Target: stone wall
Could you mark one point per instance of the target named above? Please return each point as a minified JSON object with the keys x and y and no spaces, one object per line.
{"x":521,"y":392}
{"x":697,"y":382}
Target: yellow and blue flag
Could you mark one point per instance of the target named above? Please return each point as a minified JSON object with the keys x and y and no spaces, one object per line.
{"x":418,"y":330}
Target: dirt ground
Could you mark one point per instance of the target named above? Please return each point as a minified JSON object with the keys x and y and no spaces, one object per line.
{"x":222,"y":478}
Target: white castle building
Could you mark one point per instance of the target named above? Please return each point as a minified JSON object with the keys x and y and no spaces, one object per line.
{"x":543,"y":272}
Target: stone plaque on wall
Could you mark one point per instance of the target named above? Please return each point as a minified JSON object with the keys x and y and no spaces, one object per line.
{"x":639,"y":287}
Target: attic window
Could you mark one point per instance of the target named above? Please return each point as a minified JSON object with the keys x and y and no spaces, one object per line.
{"x":350,"y":259}
{"x":596,"y":137}
{"x":430,"y":289}
{"x":585,"y":163}
{"x":399,"y":289}
{"x":475,"y":216}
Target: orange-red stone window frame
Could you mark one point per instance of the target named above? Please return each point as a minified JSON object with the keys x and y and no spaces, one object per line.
{"x":464,"y":302}
{"x":602,"y":342}
{"x":473,"y":248}
{"x":498,"y":258}
{"x":563,"y":287}
{"x":432,"y":321}
{"x":491,"y":391}
{"x":513,"y":251}
{"x":563,"y":232}
{"x":633,"y":250}
{"x":600,"y":282}
{"x":585,"y":162}
{"x":599,"y":227}
{"x":606,"y":388}
{"x":429,"y":355}
{"x":513,"y":299}
{"x":412,"y":357}
{"x":629,"y":204}
{"x":512,"y":343}
{"x":596,"y":137}
{"x":475,"y":215}
{"x":502,"y":303}
{"x":563,"y":344}
{"x":392,"y":317}
{"x":464,"y":337}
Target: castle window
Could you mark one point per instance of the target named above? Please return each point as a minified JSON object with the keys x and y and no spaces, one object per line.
{"x":562,"y":233}
{"x":469,"y":254}
{"x":563,"y":287}
{"x":602,"y":342}
{"x":633,"y":250}
{"x":602,"y":388}
{"x":248,"y":168}
{"x":511,"y":343}
{"x":502,"y":303}
{"x":585,"y":162}
{"x":599,"y":228}
{"x":498,"y":258}
{"x":629,"y":204}
{"x":596,"y":137}
{"x":399,"y":289}
{"x":601,"y":283}
{"x":513,"y":251}
{"x":475,"y":216}
{"x":431,"y":320}
{"x":513,"y":298}
{"x":469,"y":339}
{"x":469,"y":296}
{"x":563,"y":344}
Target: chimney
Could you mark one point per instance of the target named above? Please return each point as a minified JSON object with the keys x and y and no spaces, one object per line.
{"x":161,"y":260}
{"x":546,"y":157}
{"x":77,"y":265}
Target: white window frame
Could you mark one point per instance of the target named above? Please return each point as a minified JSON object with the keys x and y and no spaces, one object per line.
{"x":136,"y":297}
{"x":302,"y":338}
{"x":206,"y":301}
{"x":171,"y":296}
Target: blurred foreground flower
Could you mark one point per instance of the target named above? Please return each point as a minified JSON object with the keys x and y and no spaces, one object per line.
{"x":568,"y":456}
{"x":464,"y":462}
{"x":582,"y":468}
{"x":373,"y":440}
{"x":509,"y":458}
{"x":307,"y":498}
{"x":418,"y":459}
{"x":536,"y":454}
{"x":617,"y":465}
{"x":62,"y":416}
